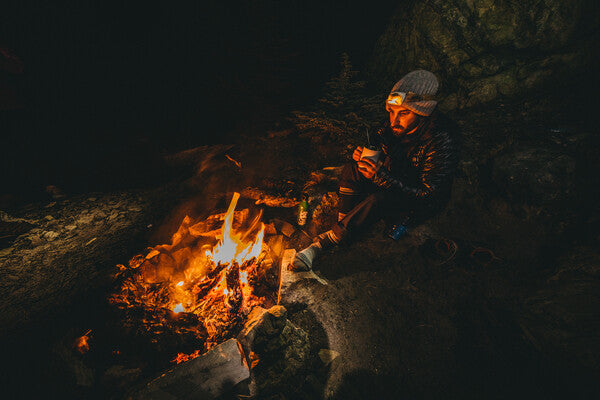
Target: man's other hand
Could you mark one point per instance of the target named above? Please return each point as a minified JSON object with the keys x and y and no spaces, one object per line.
{"x":357,"y":153}
{"x":367,"y":167}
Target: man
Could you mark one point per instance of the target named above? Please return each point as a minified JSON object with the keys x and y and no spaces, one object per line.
{"x":412,"y":178}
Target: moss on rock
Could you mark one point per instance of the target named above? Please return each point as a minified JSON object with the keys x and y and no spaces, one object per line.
{"x":481,"y":49}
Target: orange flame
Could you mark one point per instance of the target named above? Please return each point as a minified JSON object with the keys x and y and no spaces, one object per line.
{"x":230,"y":246}
{"x":178,"y":308}
{"x":186,"y":278}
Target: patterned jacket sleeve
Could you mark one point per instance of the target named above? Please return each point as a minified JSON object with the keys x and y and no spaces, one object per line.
{"x":437,"y":169}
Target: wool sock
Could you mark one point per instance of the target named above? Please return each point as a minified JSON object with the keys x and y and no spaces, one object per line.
{"x":304,"y":259}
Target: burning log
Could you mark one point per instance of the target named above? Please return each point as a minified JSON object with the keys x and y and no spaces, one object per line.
{"x":159,"y":268}
{"x":234,"y":291}
{"x":191,"y":288}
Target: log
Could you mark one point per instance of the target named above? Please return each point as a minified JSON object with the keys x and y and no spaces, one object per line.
{"x":206,"y":377}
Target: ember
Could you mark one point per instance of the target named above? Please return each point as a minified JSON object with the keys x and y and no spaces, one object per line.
{"x":82,"y":344}
{"x":199,"y":287}
{"x":181,"y":357}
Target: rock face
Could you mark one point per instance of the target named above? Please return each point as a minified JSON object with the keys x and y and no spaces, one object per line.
{"x":481,"y":49}
{"x":539,"y":176}
{"x":561,"y":318}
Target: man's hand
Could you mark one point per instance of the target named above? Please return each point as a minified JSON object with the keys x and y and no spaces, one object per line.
{"x":367,"y":167}
{"x":357,"y":153}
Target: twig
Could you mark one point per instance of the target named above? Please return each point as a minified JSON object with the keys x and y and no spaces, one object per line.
{"x":239,"y":164}
{"x":7,"y":236}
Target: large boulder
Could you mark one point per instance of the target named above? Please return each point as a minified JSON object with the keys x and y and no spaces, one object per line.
{"x":536,"y":176}
{"x":483,"y":48}
{"x":561,"y":318}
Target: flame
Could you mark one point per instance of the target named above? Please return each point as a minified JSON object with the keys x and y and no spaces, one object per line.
{"x":181,"y":357}
{"x":178,"y":308}
{"x":211,"y":284}
{"x":230,"y":246}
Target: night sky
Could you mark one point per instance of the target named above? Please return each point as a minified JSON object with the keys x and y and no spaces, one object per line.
{"x":104,"y":82}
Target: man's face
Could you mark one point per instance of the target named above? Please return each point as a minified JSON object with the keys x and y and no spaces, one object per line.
{"x":402,"y":120}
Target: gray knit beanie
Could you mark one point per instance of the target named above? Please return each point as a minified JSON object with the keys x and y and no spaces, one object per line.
{"x":422,"y":83}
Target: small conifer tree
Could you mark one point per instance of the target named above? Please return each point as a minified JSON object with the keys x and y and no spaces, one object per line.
{"x":344,"y":112}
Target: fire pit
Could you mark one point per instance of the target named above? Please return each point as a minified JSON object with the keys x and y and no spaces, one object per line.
{"x":190,"y":295}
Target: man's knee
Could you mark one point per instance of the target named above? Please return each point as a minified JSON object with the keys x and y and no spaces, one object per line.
{"x":350,"y":175}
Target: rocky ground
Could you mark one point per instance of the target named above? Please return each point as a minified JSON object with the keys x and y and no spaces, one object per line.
{"x":497,"y":297}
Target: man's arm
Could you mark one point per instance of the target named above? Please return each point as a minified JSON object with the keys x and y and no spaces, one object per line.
{"x":436,"y":171}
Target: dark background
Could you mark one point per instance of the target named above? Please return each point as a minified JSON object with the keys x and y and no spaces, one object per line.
{"x":107,"y":88}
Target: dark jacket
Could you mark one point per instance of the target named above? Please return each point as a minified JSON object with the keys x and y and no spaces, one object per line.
{"x":420,"y":167}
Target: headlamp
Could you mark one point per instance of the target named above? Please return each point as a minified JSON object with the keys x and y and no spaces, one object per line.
{"x":396,"y":98}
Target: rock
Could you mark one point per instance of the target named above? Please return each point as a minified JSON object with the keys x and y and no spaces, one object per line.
{"x":561,"y":318}
{"x":206,"y":377}
{"x":118,"y":376}
{"x":481,"y":48}
{"x":99,"y":215}
{"x":261,"y":322}
{"x":535,"y":175}
{"x":50,"y":235}
{"x":35,"y":239}
{"x":85,"y":219}
{"x":277,"y":350}
{"x":327,"y":355}
{"x":288,"y":278}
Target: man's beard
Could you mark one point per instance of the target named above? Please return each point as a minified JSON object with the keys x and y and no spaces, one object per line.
{"x":400,"y":130}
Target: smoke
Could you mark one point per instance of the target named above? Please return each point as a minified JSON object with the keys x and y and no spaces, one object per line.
{"x":211,"y":175}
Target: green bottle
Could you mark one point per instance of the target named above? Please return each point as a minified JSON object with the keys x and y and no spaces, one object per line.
{"x":303,"y":211}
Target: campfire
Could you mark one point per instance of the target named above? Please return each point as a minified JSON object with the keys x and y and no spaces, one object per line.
{"x":197,"y":291}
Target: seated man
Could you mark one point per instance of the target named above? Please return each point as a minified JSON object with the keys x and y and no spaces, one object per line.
{"x":409,"y":182}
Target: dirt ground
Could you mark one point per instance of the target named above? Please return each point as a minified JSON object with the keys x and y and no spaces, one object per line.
{"x":487,"y":300}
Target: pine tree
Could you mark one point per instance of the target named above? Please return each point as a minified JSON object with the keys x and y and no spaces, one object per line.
{"x":344,"y":112}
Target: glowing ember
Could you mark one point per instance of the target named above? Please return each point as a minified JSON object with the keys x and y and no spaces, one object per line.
{"x":181,"y":357}
{"x":206,"y":276}
{"x":82,"y":343}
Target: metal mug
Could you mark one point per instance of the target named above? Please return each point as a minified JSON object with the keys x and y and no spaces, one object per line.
{"x":371,"y":154}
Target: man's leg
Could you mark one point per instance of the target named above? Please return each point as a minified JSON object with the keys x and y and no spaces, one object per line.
{"x":353,"y":188}
{"x":370,"y":210}
{"x":363,"y":215}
